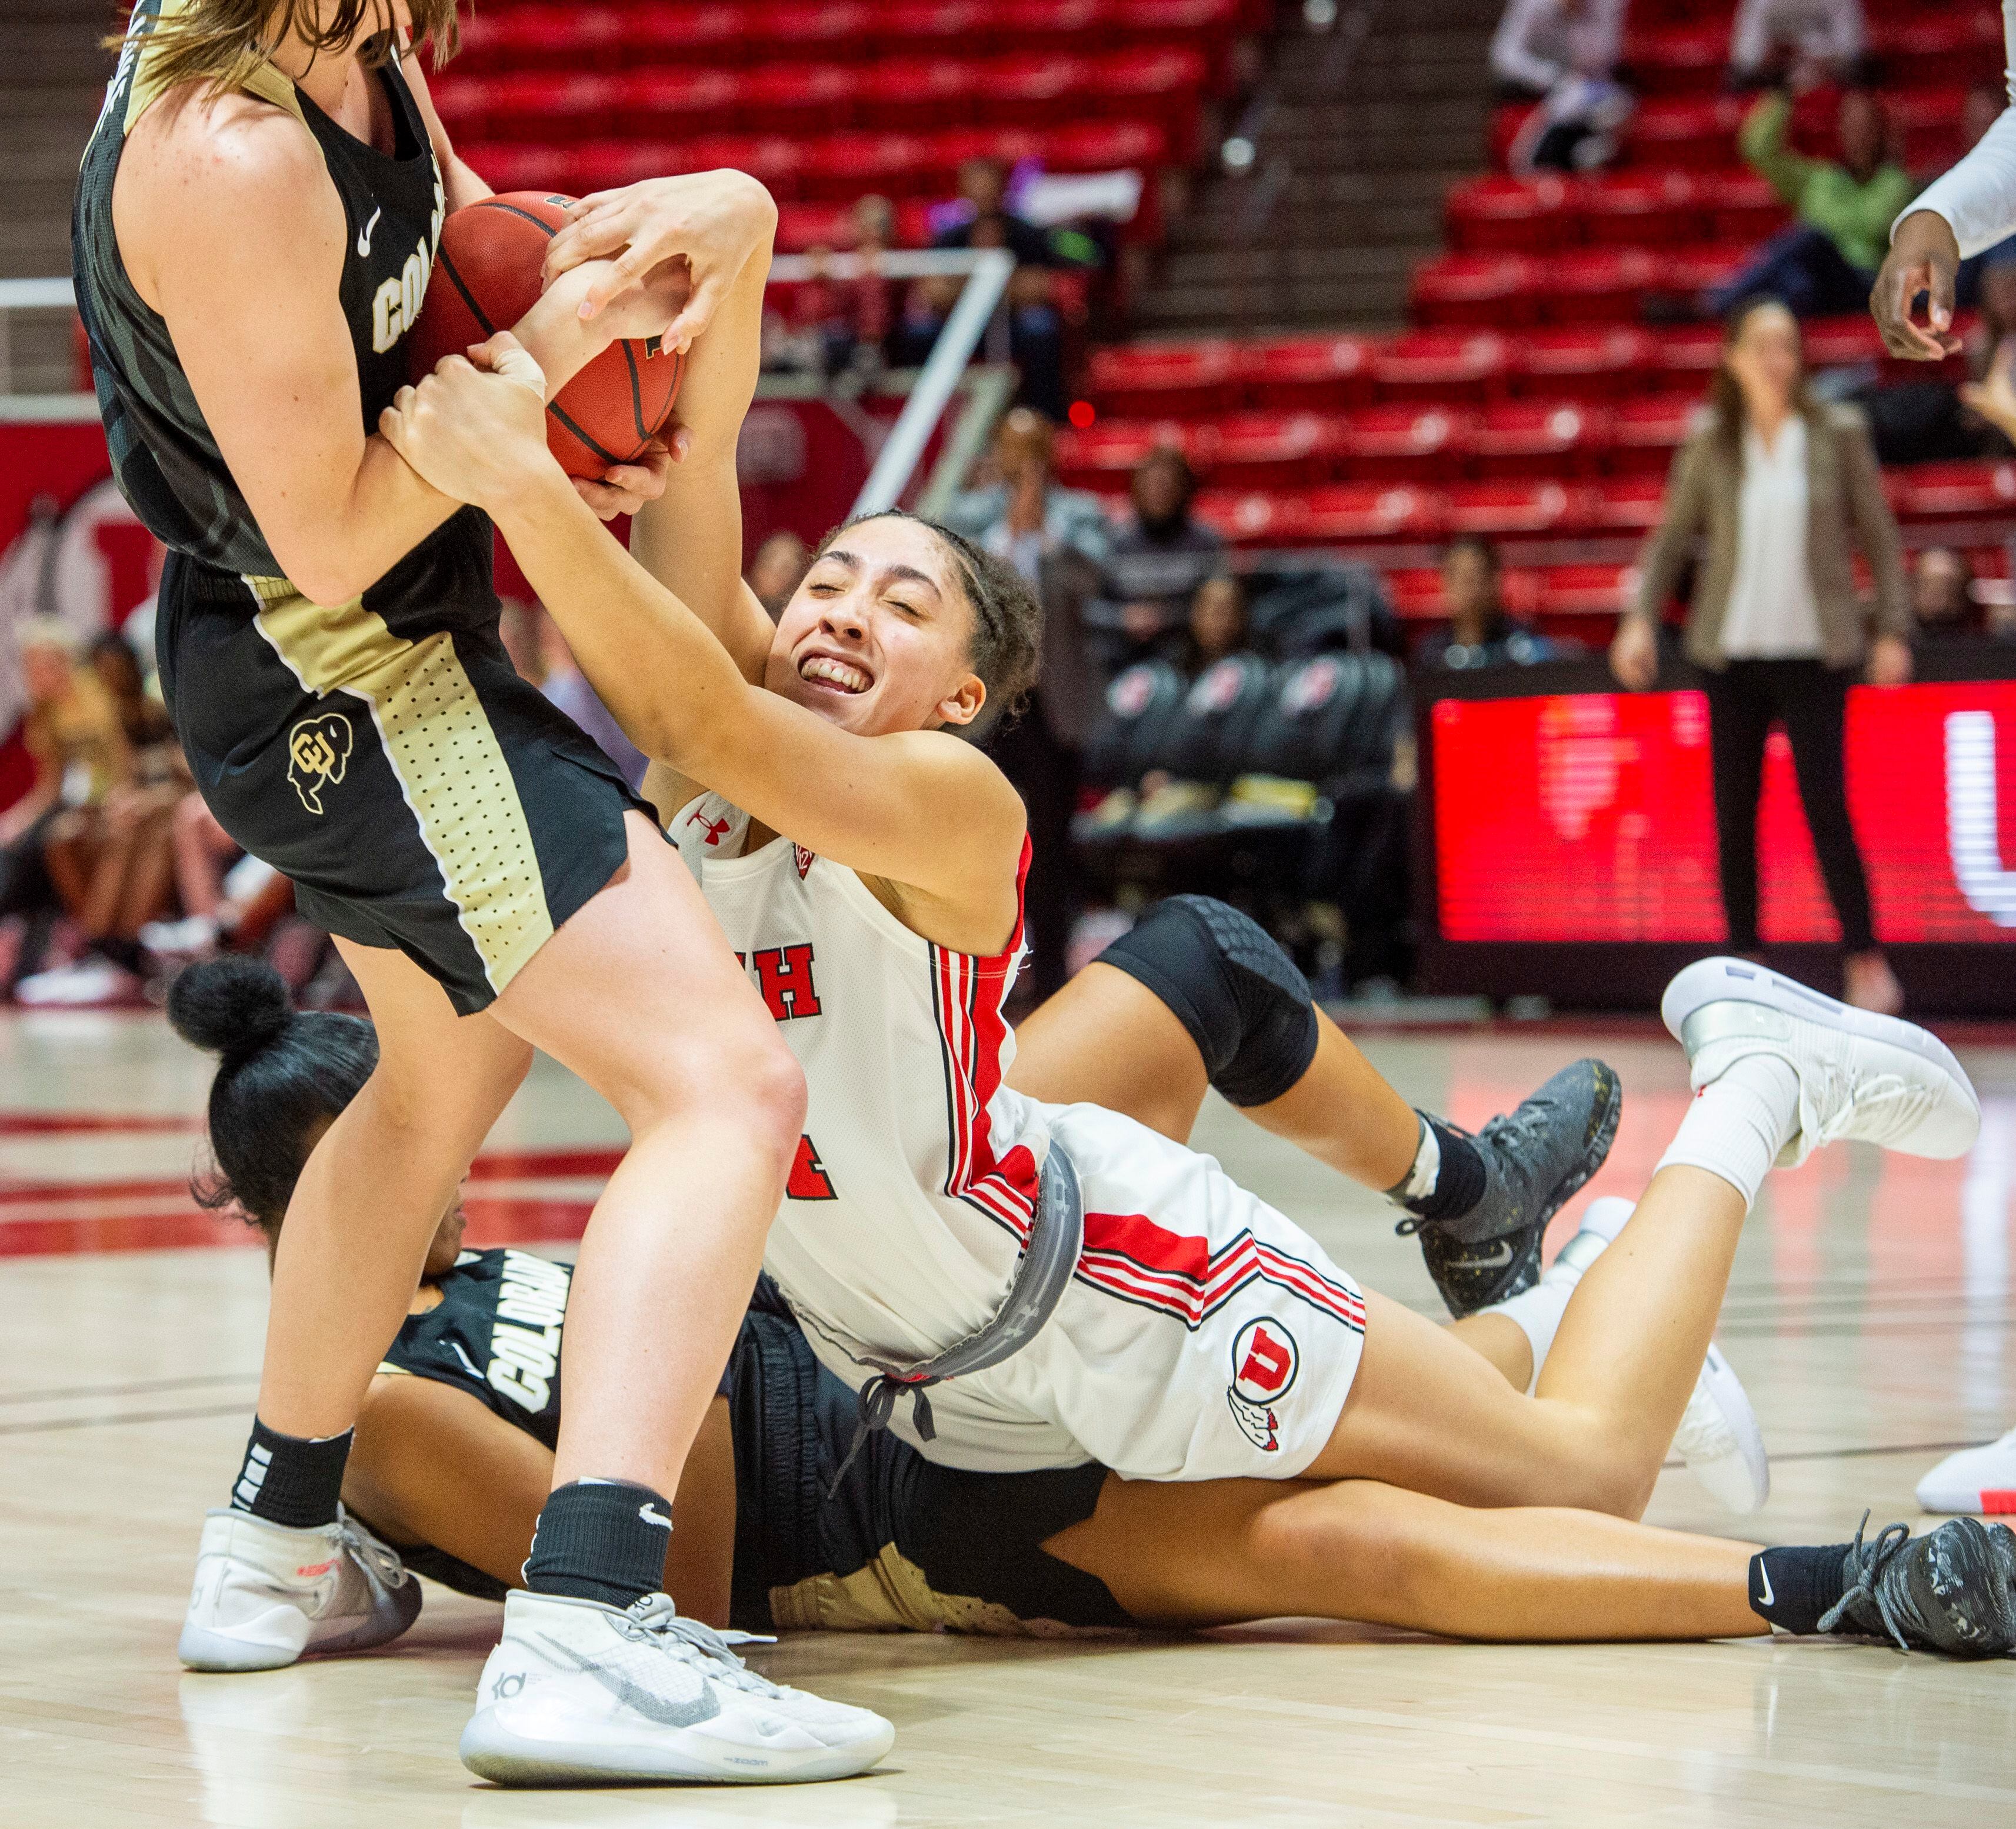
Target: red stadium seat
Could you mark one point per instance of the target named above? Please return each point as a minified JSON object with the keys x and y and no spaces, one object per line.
{"x":1539,"y":438}
{"x":776,"y":160}
{"x":1172,"y":380}
{"x":1274,"y":450}
{"x":1046,"y":25}
{"x":1594,"y":362}
{"x":1649,"y":428}
{"x":1102,"y":457}
{"x":1310,"y":372}
{"x":1041,"y":88}
{"x":1622,"y":505}
{"x":1596,"y":285}
{"x":927,"y":27}
{"x":1411,"y":444}
{"x":1680,"y":59}
{"x":1933,"y":44}
{"x":1945,"y":491}
{"x":1688,"y":352}
{"x":545,"y":38}
{"x":1695,"y":134}
{"x":914,"y":94}
{"x":1104,"y":146}
{"x":1500,"y":509}
{"x":1841,"y":343}
{"x":547,"y":110}
{"x":801,"y":226}
{"x":1692,"y":269}
{"x":1494,"y":290}
{"x":1415,"y":592}
{"x":1361,"y":513}
{"x":1521,"y":215}
{"x":843,"y":165}
{"x":796,"y":98}
{"x":1588,"y":590}
{"x":1740,"y":205}
{"x":1638,"y":209}
{"x":1162,"y":83}
{"x":1254,"y":518}
{"x":1461,"y":367}
{"x":830,"y":31}
{"x":662,"y":104}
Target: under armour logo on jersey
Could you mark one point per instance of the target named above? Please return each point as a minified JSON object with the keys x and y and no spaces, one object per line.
{"x":713,"y":830}
{"x":317,"y":755}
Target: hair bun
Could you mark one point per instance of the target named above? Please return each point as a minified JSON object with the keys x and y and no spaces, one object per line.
{"x":233,"y":1006}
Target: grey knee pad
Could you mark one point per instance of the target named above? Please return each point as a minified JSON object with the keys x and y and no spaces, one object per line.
{"x":1227,"y":981}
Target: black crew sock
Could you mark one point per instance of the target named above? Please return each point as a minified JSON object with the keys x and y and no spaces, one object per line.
{"x":291,"y":1480}
{"x":123,"y":953}
{"x":1459,"y":1178}
{"x":600,"y":1540}
{"x":1793,"y":1586}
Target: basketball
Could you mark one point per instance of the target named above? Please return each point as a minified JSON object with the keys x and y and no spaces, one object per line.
{"x":486,"y":277}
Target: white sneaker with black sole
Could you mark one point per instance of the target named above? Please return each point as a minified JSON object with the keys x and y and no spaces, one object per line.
{"x":579,"y":1693}
{"x":265,"y":1594}
{"x":1875,"y":1078}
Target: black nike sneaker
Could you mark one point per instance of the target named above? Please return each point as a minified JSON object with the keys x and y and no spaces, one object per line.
{"x":1535,"y":1159}
{"x":1951,"y":1590}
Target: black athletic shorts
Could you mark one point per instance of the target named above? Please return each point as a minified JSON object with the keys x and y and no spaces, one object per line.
{"x":417,"y":791}
{"x":904,"y":1545}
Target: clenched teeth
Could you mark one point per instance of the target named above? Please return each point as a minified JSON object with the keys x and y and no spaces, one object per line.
{"x":836,"y":673}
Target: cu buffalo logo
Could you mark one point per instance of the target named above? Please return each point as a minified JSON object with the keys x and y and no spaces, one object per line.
{"x":1264,"y":1364}
{"x":318,"y":754}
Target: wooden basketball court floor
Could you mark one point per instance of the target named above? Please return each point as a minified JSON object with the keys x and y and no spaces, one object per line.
{"x":1870,"y":1316}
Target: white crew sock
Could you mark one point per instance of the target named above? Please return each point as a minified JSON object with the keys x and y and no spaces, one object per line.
{"x":1738,"y":1122}
{"x":1537,"y":1311}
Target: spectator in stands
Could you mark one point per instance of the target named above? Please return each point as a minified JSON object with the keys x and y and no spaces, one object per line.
{"x":1157,"y":560}
{"x":567,"y":687}
{"x":1563,"y":54}
{"x":114,"y":865}
{"x":980,"y":218}
{"x":1780,"y":489}
{"x":1482,"y":633}
{"x":926,"y":306}
{"x":1217,"y":625}
{"x":79,"y":755}
{"x":1932,"y":421}
{"x":1826,"y":262}
{"x":1812,"y":41}
{"x":1057,"y":539}
{"x":851,"y":317}
{"x":1942,"y":593}
{"x":778,"y":569}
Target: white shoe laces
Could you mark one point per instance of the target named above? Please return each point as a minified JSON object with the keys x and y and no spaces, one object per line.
{"x":379,"y":1559}
{"x":1884,"y":1106}
{"x":1703,"y":1432}
{"x":655,"y":1619}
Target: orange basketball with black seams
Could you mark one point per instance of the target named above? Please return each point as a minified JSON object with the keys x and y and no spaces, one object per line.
{"x":486,"y":278}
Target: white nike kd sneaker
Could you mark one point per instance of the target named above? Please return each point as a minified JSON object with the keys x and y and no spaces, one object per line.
{"x":1719,"y":1440}
{"x":1979,"y":1481}
{"x":266,"y":1593}
{"x":579,"y":1693}
{"x":1861,"y":1076}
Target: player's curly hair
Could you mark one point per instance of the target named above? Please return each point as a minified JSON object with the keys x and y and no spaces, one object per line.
{"x":285,"y":1074}
{"x":219,"y":43}
{"x":1007,"y":618}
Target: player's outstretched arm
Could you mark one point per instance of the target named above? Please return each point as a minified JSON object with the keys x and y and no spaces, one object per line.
{"x":919,"y":808}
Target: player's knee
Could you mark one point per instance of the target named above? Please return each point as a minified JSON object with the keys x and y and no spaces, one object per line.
{"x":1227,"y":981}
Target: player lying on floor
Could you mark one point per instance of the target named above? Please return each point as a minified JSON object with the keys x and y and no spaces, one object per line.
{"x":453,"y":1457}
{"x":866,"y":864}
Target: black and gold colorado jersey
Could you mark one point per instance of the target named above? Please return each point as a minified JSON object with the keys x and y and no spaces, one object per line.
{"x":163,"y":455}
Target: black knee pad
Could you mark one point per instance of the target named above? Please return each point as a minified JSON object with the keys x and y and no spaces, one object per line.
{"x":1227,"y":982}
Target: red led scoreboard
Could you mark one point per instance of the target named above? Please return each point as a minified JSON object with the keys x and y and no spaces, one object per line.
{"x":1561,"y":822}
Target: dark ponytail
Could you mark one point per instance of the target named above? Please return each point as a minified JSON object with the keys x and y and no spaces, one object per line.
{"x":284,"y":1075}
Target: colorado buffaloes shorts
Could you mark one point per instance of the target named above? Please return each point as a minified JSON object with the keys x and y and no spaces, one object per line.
{"x":417,"y":791}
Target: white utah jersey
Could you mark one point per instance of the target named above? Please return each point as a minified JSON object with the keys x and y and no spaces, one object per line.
{"x":916,"y":1180}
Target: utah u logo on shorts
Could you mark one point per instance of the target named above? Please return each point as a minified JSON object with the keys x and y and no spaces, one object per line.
{"x":1264,"y":1364}
{"x":318,"y":753}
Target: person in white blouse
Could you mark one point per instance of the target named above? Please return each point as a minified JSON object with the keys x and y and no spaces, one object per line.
{"x":1968,"y":210}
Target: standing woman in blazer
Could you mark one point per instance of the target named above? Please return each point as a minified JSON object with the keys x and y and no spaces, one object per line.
{"x":1778,"y":487}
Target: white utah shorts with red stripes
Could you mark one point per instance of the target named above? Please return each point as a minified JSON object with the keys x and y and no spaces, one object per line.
{"x":1204,"y":1336}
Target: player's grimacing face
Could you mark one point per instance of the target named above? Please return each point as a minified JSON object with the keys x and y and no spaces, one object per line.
{"x":877,"y":638}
